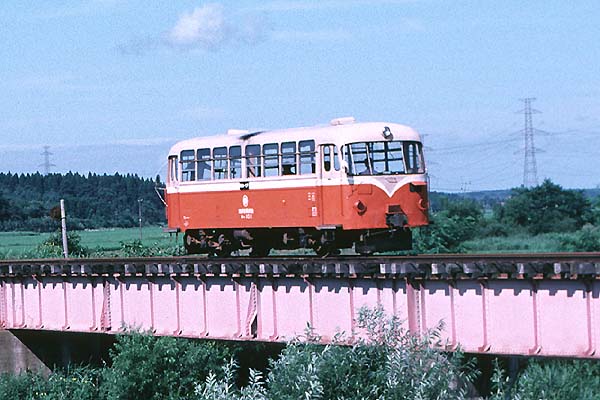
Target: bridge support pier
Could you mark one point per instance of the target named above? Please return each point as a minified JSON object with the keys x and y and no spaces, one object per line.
{"x":16,"y":357}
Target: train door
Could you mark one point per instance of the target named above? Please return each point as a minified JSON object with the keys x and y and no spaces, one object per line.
{"x":330,"y":185}
{"x":172,"y":193}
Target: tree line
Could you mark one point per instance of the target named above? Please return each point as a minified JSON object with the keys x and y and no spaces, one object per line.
{"x":91,"y":201}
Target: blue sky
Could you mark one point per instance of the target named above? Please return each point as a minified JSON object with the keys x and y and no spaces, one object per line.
{"x":111,"y":84}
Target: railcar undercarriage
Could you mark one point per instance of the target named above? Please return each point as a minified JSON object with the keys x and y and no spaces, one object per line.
{"x":260,"y":241}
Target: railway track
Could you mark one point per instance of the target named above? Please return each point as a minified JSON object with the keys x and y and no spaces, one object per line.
{"x":438,"y":266}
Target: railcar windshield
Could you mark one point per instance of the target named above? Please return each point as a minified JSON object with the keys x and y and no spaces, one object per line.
{"x":384,"y":158}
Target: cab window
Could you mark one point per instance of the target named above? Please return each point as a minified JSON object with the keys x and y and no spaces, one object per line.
{"x":188,"y":166}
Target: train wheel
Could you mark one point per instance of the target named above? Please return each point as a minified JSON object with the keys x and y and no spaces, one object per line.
{"x":190,"y":244}
{"x":326,"y":250}
{"x":225,"y":247}
{"x":325,"y":246}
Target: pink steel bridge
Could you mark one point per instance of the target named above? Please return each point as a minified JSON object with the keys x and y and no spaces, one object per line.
{"x":545,"y":305}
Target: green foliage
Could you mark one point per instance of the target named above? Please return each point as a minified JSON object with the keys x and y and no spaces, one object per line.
{"x":53,"y":246}
{"x":78,"y":383}
{"x":225,"y":389}
{"x":92,"y":201}
{"x":460,"y":220}
{"x":493,"y":228}
{"x":550,"y":380}
{"x":135,"y":248}
{"x":146,"y":367}
{"x":516,"y":243}
{"x":546,"y":208}
{"x":391,"y":363}
{"x":596,"y":211}
{"x":465,"y":209}
{"x":586,"y":239}
{"x":4,"y":208}
{"x":445,"y":234}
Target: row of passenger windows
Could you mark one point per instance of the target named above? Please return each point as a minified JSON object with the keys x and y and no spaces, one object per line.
{"x":291,"y":158}
{"x":274,"y":159}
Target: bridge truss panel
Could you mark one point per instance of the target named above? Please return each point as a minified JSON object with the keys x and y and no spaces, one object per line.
{"x":540,"y":315}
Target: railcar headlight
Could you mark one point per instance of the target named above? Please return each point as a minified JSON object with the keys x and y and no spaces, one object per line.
{"x":387,"y":133}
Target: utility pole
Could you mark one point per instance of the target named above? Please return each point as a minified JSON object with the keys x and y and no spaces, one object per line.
{"x":530,"y":177}
{"x":140,"y":216}
{"x":63,"y":224}
{"x":47,"y":164}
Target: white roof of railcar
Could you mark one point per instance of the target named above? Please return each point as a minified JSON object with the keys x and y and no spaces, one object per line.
{"x":337,"y":134}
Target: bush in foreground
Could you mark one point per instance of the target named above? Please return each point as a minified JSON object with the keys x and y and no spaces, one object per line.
{"x":550,"y":380}
{"x":390,"y":363}
{"x":150,"y":368}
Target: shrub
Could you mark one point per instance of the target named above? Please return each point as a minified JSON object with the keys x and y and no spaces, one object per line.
{"x":551,"y":380}
{"x":546,"y":208}
{"x":53,"y":246}
{"x":225,"y":389}
{"x":77,"y":383}
{"x":136,"y":248}
{"x":586,"y":239}
{"x":445,"y":234}
{"x":390,"y":363}
{"x":147,"y":367}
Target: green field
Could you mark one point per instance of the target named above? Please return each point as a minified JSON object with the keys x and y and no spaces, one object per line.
{"x":100,"y":242}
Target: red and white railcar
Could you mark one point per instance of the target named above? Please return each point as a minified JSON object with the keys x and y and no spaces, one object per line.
{"x":325,"y":187}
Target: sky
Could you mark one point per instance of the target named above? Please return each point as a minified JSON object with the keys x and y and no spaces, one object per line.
{"x":110,"y":85}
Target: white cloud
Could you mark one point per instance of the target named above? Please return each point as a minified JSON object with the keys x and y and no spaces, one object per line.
{"x":204,"y":27}
{"x":211,"y":27}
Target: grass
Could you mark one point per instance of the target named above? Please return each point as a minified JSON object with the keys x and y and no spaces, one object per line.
{"x":108,"y":243}
{"x":518,"y":243}
{"x":100,"y":242}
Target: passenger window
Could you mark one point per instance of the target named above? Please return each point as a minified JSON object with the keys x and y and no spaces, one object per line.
{"x":336,"y":159}
{"x":253,"y":161}
{"x":235,"y":162}
{"x":204,"y":170}
{"x":220,"y":162}
{"x":288,"y":158}
{"x":327,"y":158}
{"x":307,"y":157}
{"x":271,"y":156}
{"x":188,"y":166}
